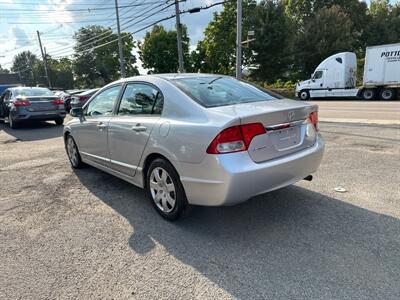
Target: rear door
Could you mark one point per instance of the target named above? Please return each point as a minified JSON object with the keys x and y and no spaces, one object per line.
{"x":92,"y":131}
{"x":130,"y":128}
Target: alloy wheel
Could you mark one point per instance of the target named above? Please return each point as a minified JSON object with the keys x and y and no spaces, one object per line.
{"x":162,"y":190}
{"x":72,"y":152}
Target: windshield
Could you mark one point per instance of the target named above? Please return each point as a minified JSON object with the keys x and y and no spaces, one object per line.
{"x":212,"y":91}
{"x":28,"y":92}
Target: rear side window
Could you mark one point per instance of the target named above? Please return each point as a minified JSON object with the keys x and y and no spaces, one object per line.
{"x":103,"y":103}
{"x":212,"y":91}
{"x":140,"y":99}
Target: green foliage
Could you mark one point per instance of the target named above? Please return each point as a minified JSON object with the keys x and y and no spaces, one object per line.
{"x":4,"y":71}
{"x":326,"y":33}
{"x":96,"y":66}
{"x":159,"y":51}
{"x":273,"y":40}
{"x":292,"y":38}
{"x":216,"y":53}
{"x":383,"y":23}
{"x":24,"y":64}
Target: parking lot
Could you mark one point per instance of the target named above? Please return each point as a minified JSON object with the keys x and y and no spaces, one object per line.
{"x":87,"y":234}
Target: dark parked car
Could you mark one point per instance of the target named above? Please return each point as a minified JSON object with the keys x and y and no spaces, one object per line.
{"x":81,"y":98}
{"x":68,"y":97}
{"x":30,"y":103}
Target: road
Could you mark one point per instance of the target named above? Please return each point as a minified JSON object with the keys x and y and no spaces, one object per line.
{"x":86,"y":234}
{"x":378,"y":112}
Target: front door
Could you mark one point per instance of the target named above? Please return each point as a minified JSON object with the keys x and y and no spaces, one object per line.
{"x":92,"y":131}
{"x":129,"y":130}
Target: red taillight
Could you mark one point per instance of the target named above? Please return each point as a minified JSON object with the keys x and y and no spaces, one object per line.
{"x":313,"y":117}
{"x":58,"y":102}
{"x":235,"y":138}
{"x":20,"y":102}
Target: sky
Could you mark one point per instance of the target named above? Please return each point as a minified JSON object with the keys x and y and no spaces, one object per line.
{"x":57,"y":20}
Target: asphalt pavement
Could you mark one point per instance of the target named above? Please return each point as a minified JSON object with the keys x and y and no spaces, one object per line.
{"x":86,"y":234}
{"x":376,"y":112}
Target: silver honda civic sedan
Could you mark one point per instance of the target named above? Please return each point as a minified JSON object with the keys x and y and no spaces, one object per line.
{"x":195,"y":139}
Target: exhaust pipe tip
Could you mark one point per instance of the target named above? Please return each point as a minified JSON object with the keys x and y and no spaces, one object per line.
{"x":309,"y":178}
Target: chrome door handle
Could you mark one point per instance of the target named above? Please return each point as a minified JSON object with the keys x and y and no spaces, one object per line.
{"x":139,"y":128}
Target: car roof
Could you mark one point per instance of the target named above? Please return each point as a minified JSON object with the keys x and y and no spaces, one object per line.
{"x":171,"y":76}
{"x":89,"y":91}
{"x":27,"y":87}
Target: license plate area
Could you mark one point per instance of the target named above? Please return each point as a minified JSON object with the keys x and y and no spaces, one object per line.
{"x":287,"y":138}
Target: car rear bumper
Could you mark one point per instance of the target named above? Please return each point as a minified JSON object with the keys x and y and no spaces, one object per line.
{"x":38,"y":116}
{"x":233,"y":178}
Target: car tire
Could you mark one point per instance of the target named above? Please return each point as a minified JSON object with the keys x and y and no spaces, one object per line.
{"x":59,"y":122}
{"x":387,"y":94}
{"x":11,"y":122}
{"x":368,"y":94}
{"x":73,"y":153}
{"x":165,"y":190}
{"x":304,"y":95}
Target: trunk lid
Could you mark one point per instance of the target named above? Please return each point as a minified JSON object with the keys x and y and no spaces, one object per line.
{"x":286,"y":123}
{"x":43,"y":103}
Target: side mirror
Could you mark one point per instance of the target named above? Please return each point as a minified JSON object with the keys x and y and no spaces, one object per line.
{"x":76,"y":112}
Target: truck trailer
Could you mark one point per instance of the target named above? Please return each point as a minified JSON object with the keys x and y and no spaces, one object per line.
{"x":336,"y":76}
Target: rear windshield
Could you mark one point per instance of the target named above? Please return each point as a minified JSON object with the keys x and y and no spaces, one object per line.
{"x":212,"y":91}
{"x":28,"y":92}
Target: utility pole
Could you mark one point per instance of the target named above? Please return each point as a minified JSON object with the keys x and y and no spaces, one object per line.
{"x":44,"y":59}
{"x":121,"y":52}
{"x":179,"y":37}
{"x":239,"y":40}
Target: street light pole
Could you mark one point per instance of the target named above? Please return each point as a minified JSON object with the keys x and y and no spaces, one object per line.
{"x":121,"y":52}
{"x":179,"y":37}
{"x":239,"y":40}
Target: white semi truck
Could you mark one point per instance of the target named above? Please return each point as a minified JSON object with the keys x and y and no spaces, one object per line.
{"x":336,"y":76}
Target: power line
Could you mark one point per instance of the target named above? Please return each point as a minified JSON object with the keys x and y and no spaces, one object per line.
{"x":69,"y":10}
{"x":86,"y":44}
{"x":67,"y":22}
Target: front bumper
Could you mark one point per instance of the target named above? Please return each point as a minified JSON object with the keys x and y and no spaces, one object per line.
{"x":233,"y":178}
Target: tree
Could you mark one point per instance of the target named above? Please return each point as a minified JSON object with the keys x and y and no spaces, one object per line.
{"x":272,"y":45}
{"x":383,"y":23}
{"x":159,"y":51}
{"x":4,"y":71}
{"x":96,"y":58}
{"x":24,"y":64}
{"x":328,"y":32}
{"x":61,"y":73}
{"x":217,"y":52}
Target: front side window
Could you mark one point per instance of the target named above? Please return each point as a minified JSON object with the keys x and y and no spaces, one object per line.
{"x":103,"y":103}
{"x":140,"y":99}
{"x":212,"y":91}
{"x":318,"y":75}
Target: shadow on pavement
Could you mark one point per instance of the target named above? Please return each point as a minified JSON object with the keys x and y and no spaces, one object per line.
{"x":33,"y":131}
{"x":291,"y":243}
